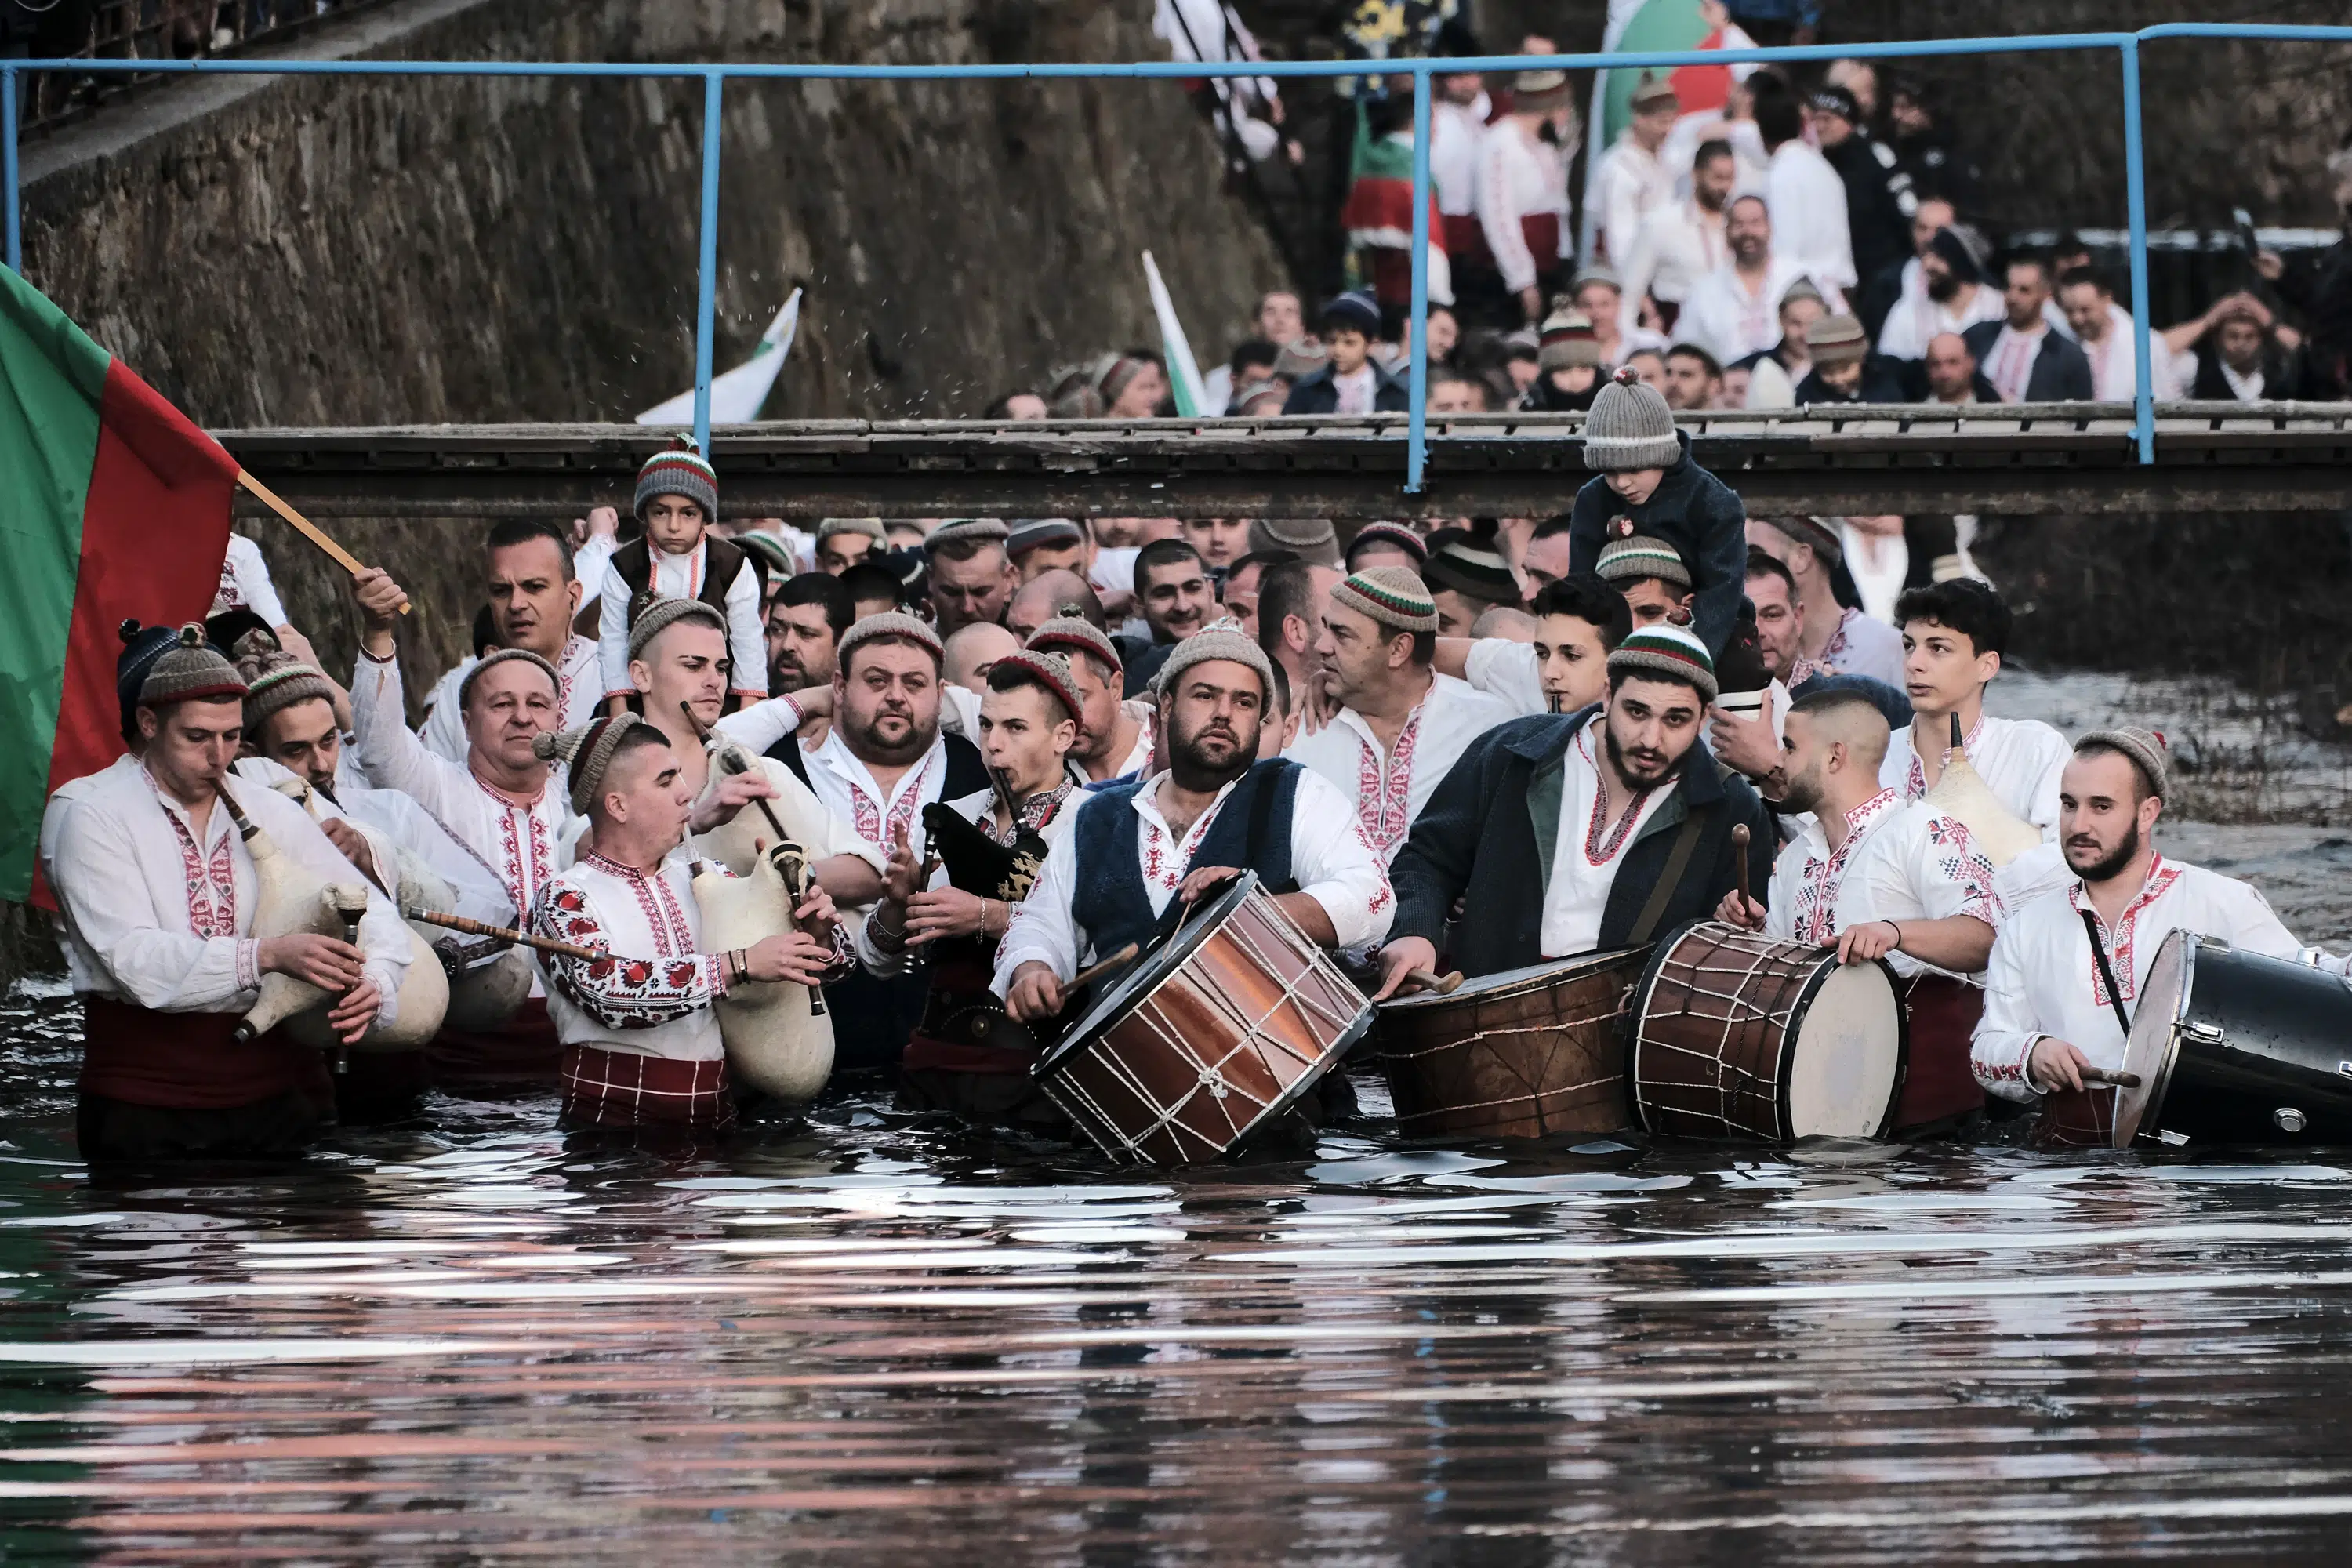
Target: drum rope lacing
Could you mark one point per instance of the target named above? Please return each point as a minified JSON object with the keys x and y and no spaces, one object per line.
{"x":1736,"y":1002}
{"x":1532,"y":1093}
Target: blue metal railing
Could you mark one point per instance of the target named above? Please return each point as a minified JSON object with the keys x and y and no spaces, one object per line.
{"x":714,"y":78}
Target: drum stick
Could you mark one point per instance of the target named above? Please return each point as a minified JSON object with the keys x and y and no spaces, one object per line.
{"x":1094,"y":971}
{"x":1443,"y":984}
{"x":2118,"y":1079}
{"x":1739,"y":857}
{"x":476,"y":928}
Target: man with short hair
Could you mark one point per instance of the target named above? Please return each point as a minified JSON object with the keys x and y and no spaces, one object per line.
{"x":1878,"y":878}
{"x":1952,"y":374}
{"x":1694,"y":379}
{"x":844,"y":541}
{"x":1954,"y":634}
{"x":1176,"y":599}
{"x":1399,"y":725}
{"x":1680,"y":243}
{"x":2069,"y":970}
{"x":806,"y":619}
{"x":972,"y":649}
{"x":1212,"y":812}
{"x":1553,"y":836}
{"x":1649,"y":368}
{"x":157,"y":894}
{"x":1041,"y":545}
{"x":1242,"y":587}
{"x":873,"y":590}
{"x":1219,"y":540}
{"x":2231,"y":354}
{"x":1734,"y":310}
{"x":1835,"y":639}
{"x":1629,"y":182}
{"x":1579,"y":622}
{"x":971,"y":577}
{"x":1288,"y":600}
{"x":1950,"y":292}
{"x":641,"y":1041}
{"x":1042,"y":597}
{"x":2109,"y":339}
{"x":2026,"y":359}
{"x":533,"y":597}
{"x":1454,"y":392}
{"x":1545,"y":561}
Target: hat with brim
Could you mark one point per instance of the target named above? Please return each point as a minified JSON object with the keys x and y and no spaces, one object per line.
{"x":1837,"y":340}
{"x":1540,"y":92}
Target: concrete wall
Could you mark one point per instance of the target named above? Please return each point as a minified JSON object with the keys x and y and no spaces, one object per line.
{"x":315,"y":251}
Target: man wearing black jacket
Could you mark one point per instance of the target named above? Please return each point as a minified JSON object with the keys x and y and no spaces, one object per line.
{"x":1624,"y":816}
{"x":2025,"y":358}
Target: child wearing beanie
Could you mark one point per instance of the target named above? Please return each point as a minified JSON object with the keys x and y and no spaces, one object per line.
{"x":678,"y":557}
{"x":1646,"y":484}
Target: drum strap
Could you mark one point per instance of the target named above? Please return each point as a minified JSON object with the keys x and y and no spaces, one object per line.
{"x":1678,"y":860}
{"x":2106,"y":970}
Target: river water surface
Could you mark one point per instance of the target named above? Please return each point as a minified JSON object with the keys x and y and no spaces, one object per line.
{"x":877,"y":1339}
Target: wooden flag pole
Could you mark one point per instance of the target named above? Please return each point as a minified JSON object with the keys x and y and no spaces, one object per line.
{"x":307,"y":529}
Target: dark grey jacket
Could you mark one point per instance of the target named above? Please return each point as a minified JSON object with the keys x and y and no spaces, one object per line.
{"x":2061,"y":373}
{"x":1496,"y":816}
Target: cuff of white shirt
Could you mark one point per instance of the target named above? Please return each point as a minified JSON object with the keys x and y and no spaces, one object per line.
{"x":248,"y":964}
{"x":2002,"y":1071}
{"x":387,"y":990}
{"x":1009,"y":961}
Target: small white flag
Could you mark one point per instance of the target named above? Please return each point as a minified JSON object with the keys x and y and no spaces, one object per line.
{"x":736,"y":396}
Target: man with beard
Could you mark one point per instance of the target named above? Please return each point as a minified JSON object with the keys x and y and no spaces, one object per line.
{"x":2068,"y":969}
{"x":1554,"y":836}
{"x":884,"y":762}
{"x":1953,"y":293}
{"x":806,"y":620}
{"x":2026,"y":358}
{"x":534,"y":597}
{"x":1399,"y":725}
{"x":1878,"y":878}
{"x":1734,"y":310}
{"x":1680,"y":243}
{"x":1213,"y":811}
{"x":971,"y":574}
{"x":968,"y":1055}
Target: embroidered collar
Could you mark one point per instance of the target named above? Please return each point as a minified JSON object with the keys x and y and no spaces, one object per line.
{"x":1601,"y":843}
{"x":1870,"y":813}
{"x":606,"y":863}
{"x":2161,"y":874}
{"x":1915,"y":781}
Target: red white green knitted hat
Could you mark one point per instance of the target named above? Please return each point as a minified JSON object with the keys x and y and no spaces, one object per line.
{"x":1631,"y":559}
{"x":1667,"y":651}
{"x":679,"y":469}
{"x":1393,"y":595}
{"x":1050,"y":670}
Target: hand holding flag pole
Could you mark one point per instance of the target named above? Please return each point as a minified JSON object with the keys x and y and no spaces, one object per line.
{"x":307,"y":529}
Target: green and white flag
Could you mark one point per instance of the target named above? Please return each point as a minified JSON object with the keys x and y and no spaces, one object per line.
{"x":1183,"y":372}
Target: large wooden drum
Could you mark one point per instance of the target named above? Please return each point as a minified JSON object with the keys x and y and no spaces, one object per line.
{"x":1523,"y":1053}
{"x":1219,"y":1031}
{"x":1737,"y":1036}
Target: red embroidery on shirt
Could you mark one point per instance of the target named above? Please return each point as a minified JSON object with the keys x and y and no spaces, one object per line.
{"x":1165,"y":863}
{"x":210,"y":881}
{"x":1815,"y":916}
{"x":1598,"y":851}
{"x":1832,"y":651}
{"x":1385,"y":785}
{"x":672,"y":936}
{"x":1915,"y":783}
{"x":527,"y":869}
{"x":867,"y":814}
{"x":2160,"y":876}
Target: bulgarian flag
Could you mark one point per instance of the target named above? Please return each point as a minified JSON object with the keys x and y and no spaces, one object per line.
{"x":112,"y":507}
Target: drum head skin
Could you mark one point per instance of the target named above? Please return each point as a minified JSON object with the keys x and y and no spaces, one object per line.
{"x":2155,"y":1035}
{"x":1841,"y":1079}
{"x":1149,"y":970}
{"x":1535,"y":977}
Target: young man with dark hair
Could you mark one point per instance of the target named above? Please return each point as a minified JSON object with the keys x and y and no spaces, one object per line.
{"x":806,"y":619}
{"x":971,"y":573}
{"x":1243,"y":582}
{"x":873,"y":590}
{"x":1579,"y":621}
{"x":1287,"y":617}
{"x":1173,"y":595}
{"x":1879,"y":879}
{"x":1834,"y":639}
{"x":1596,"y":805}
{"x":2050,"y":1009}
{"x":1954,"y":634}
{"x":1694,"y":379}
{"x":1399,"y":725}
{"x":2026,"y":359}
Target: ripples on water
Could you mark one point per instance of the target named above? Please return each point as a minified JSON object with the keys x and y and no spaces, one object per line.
{"x":881,"y":1339}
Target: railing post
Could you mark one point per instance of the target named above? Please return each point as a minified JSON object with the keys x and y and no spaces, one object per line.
{"x":15,"y":246}
{"x":705,"y":303}
{"x":1417,"y":437}
{"x":2135,"y":201}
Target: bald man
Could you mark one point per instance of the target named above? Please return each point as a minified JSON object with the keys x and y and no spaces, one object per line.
{"x":972,"y":652}
{"x":1879,"y":879}
{"x":1042,"y":598}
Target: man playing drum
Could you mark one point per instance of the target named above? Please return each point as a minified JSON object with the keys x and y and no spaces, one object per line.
{"x":641,"y":1042}
{"x":1400,"y":726}
{"x":967,"y":1056}
{"x":1624,"y":819}
{"x":2051,"y":1010}
{"x":1213,"y":811}
{"x":1879,"y":879}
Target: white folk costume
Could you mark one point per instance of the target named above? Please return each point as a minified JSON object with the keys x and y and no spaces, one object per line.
{"x":2115,"y":361}
{"x":684,"y":577}
{"x":1456,"y":132}
{"x":2009,"y":364}
{"x":1897,"y":862}
{"x":1509,"y":672}
{"x":2019,"y":760}
{"x":1522,"y":194}
{"x":1727,"y":319}
{"x":520,"y":845}
{"x":1387,"y":788}
{"x":1630,"y":184}
{"x":2045,"y":981}
{"x":1678,"y":245}
{"x":641,"y":1044}
{"x":1919,"y":317}
{"x":245,"y":584}
{"x":156,"y":918}
{"x":1807,"y":199}
{"x":1589,"y":850}
{"x":1861,"y":645}
{"x":580,"y":693}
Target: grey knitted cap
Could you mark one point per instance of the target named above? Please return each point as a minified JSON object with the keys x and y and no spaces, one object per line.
{"x":1630,"y":427}
{"x":2144,"y":747}
{"x":1218,"y":639}
{"x":663,"y":613}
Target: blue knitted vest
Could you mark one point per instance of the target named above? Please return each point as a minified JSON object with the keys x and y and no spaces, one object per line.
{"x":1112,"y":905}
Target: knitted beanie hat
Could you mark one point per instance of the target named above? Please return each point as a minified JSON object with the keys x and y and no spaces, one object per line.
{"x":1636,"y":556}
{"x":1112,"y":373}
{"x":141,"y":647}
{"x":504,"y":655}
{"x":679,"y":469}
{"x":2144,"y":747}
{"x":1039,"y":532}
{"x":1388,"y":594}
{"x":891,"y":625}
{"x":1654,"y":92}
{"x":1393,"y":534}
{"x":1567,"y":341}
{"x":1816,"y":531}
{"x":1630,"y":426}
{"x":1312,"y":539}
{"x":1594,"y":272}
{"x":1355,"y":311}
{"x":1801,"y":289}
{"x":871,"y":527}
{"x":587,"y":751}
{"x":275,"y":681}
{"x":1256,"y":398}
{"x":1050,"y":670}
{"x":1668,"y":651}
{"x":663,"y":613}
{"x":1070,"y":632}
{"x":1469,"y":563}
{"x":979,"y":529}
{"x":769,"y":551}
{"x":1219,"y":639}
{"x":189,"y":669}
{"x":1300,"y":359}
{"x":1540,"y":92}
{"x":1836,"y":341}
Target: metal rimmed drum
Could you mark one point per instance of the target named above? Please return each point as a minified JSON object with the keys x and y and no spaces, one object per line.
{"x":1737,"y":1036}
{"x":2230,"y":1046}
{"x":1218,"y":1032}
{"x":1525,"y":1053}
